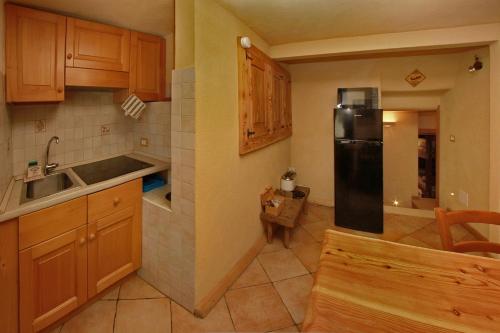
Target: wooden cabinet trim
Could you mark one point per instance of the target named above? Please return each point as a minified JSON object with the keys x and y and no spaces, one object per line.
{"x":9,"y":286}
{"x":69,"y":242}
{"x":140,"y":65}
{"x":48,"y":84}
{"x":50,"y":222}
{"x":77,"y":57}
{"x":98,"y":280}
{"x":85,"y":77}
{"x":114,"y":199}
{"x":262,"y":123}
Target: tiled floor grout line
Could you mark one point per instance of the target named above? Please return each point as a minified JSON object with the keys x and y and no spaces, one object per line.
{"x":171,"y":316}
{"x":141,"y":298}
{"x":116,"y":307}
{"x":272,"y":284}
{"x":229,"y":311}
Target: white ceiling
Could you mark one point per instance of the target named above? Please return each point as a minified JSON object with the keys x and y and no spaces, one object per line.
{"x":286,"y":21}
{"x":152,"y":16}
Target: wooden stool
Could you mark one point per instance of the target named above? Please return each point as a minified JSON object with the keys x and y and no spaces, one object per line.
{"x":289,"y":217}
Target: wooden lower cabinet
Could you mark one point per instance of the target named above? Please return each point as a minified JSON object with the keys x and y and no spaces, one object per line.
{"x":53,"y":279}
{"x":114,"y":248}
{"x":62,"y":269}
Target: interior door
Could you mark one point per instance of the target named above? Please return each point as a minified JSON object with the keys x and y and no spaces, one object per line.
{"x":97,"y":46}
{"x":52,"y":279}
{"x":35,"y":55}
{"x":114,"y":248}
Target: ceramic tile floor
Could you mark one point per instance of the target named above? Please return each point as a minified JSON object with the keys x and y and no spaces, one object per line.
{"x":270,"y":296}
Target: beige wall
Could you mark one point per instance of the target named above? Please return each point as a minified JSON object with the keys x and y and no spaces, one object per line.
{"x":227,"y":184}
{"x":314,"y":96}
{"x":314,"y":89}
{"x":427,"y":120}
{"x":5,"y":128}
{"x":401,"y":158}
{"x":465,"y":113}
{"x":184,"y":33}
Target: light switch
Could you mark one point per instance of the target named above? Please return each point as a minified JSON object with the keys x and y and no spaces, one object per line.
{"x":144,"y":142}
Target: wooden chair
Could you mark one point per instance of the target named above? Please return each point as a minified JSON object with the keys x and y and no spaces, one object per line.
{"x":446,"y":219}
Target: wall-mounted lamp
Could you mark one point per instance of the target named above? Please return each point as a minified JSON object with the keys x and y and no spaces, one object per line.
{"x":476,"y":66}
{"x":389,"y":123}
{"x":245,"y":42}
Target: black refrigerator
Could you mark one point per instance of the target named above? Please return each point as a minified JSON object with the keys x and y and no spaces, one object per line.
{"x":359,"y":169}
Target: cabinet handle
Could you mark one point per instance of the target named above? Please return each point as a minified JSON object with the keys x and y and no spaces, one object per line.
{"x":250,"y":133}
{"x":92,"y":236}
{"x":82,"y":240}
{"x":69,"y":56}
{"x":116,"y":201}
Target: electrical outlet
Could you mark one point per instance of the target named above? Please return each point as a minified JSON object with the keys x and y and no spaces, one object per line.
{"x":463,"y":198}
{"x":105,"y":130}
{"x":452,"y":138}
{"x":144,"y":142}
{"x":40,"y":126}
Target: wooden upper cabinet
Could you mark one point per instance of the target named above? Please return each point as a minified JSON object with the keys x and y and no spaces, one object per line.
{"x":52,"y":279}
{"x":94,"y":45}
{"x":147,"y":66}
{"x":34,"y":55}
{"x":264,"y":100}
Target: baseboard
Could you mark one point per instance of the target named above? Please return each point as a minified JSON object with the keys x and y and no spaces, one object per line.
{"x":208,"y":302}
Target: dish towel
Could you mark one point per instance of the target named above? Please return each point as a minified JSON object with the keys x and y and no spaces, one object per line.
{"x":133,"y":106}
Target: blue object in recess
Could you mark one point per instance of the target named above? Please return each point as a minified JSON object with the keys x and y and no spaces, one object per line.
{"x":151,"y":182}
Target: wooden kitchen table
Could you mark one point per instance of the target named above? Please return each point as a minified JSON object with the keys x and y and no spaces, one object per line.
{"x":370,"y":286}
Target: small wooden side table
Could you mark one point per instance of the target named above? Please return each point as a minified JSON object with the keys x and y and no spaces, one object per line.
{"x":289,"y":217}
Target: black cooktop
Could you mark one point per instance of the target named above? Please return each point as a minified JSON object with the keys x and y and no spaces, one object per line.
{"x":106,"y":169}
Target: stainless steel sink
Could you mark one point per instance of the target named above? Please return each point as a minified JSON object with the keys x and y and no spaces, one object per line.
{"x":49,"y":185}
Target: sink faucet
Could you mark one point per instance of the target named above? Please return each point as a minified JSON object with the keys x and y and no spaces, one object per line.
{"x":50,"y":167}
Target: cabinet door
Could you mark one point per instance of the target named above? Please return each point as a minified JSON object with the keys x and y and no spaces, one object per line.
{"x":255,"y":100}
{"x":287,"y":105}
{"x":97,"y":46}
{"x":34,"y":55}
{"x":147,"y":66}
{"x":277,"y":115}
{"x":114,"y":248}
{"x":52,"y":279}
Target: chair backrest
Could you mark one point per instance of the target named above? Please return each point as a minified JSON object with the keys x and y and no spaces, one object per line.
{"x":446,"y":219}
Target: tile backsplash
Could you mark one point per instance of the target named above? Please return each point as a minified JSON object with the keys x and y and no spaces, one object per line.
{"x":154,"y":126}
{"x":89,"y":125}
{"x":78,"y":123}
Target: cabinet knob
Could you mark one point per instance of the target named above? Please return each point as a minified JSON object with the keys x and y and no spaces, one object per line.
{"x":116,"y":201}
{"x":82,"y":240}
{"x":59,"y":90}
{"x":69,"y":56}
{"x":92,"y":236}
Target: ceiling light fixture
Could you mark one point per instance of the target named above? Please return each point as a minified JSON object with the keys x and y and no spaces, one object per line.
{"x":476,"y":66}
